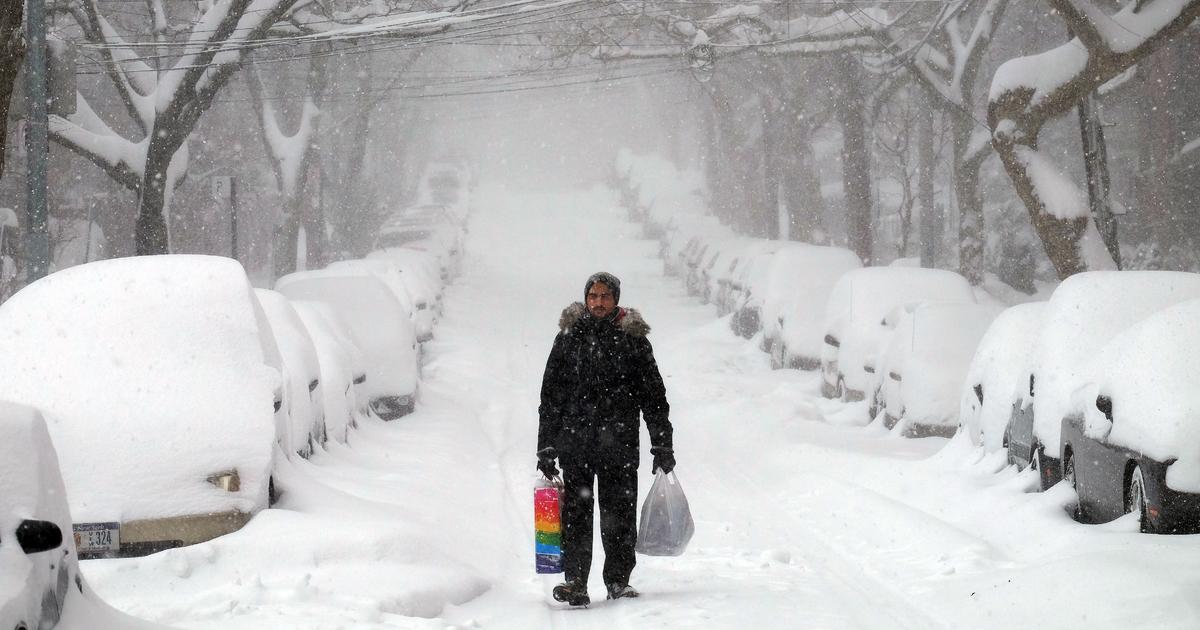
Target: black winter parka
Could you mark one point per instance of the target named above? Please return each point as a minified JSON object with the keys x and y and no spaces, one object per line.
{"x":601,"y":373}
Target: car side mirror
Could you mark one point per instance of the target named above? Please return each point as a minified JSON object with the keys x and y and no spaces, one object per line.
{"x":1104,"y":404}
{"x":38,"y":536}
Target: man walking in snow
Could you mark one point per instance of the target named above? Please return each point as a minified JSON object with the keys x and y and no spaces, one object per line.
{"x":600,"y":375}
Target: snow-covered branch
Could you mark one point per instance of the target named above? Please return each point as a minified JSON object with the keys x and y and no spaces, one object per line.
{"x":1028,"y":92}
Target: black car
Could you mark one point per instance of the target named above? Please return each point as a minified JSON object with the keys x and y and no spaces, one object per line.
{"x":1112,"y":480}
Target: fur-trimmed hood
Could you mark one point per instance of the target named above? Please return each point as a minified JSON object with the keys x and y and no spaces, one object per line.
{"x":629,"y":320}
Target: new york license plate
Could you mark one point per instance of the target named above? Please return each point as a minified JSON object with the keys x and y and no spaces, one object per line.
{"x":97,"y":537}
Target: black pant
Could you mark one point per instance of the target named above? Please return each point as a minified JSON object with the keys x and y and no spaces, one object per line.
{"x":618,"y":518}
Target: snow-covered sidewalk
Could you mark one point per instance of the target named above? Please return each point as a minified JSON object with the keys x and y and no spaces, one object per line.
{"x":802,"y":521}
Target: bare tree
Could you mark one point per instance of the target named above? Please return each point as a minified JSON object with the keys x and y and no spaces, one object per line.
{"x":166,"y":93}
{"x":946,"y":59}
{"x":1024,"y":98}
{"x":292,"y":156}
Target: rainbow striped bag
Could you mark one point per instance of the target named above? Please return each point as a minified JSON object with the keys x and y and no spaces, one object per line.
{"x":547,"y":526}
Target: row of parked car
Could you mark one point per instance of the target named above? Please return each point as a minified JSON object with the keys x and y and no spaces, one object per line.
{"x":1093,"y":386}
{"x":153,"y":397}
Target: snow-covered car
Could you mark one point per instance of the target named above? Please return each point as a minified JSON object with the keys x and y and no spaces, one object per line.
{"x":799,"y":281}
{"x":1084,"y":313}
{"x":748,"y":285}
{"x":923,"y":367}
{"x":447,"y":183}
{"x":427,"y":228}
{"x":160,"y":383}
{"x":343,"y":369}
{"x":302,"y":392}
{"x":994,"y":379}
{"x":718,"y":276}
{"x":854,"y":319}
{"x":683,"y":239}
{"x":1131,"y":440}
{"x":392,"y":274}
{"x":422,"y":276}
{"x":379,"y":326}
{"x":40,"y":584}
{"x":38,"y":569}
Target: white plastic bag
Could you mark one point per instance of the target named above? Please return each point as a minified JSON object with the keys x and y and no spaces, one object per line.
{"x":666,"y":524}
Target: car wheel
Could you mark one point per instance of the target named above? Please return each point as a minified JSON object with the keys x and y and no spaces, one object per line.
{"x":1135,"y":499}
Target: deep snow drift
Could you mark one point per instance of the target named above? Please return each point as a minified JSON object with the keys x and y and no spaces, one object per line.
{"x":802,"y":519}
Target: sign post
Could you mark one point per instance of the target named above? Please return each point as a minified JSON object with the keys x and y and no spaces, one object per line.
{"x":224,"y":190}
{"x":38,"y":139}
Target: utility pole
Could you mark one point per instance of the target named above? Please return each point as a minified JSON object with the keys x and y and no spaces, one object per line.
{"x":37,"y":245}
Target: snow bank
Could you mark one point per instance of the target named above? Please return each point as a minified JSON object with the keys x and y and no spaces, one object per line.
{"x":154,"y":373}
{"x":999,"y":367}
{"x":1150,"y":373}
{"x":1085,"y":312}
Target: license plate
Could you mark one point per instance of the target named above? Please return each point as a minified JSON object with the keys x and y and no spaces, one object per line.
{"x":97,"y":537}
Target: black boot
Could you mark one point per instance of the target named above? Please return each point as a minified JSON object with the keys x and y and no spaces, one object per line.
{"x":572,"y":592}
{"x":618,"y":591}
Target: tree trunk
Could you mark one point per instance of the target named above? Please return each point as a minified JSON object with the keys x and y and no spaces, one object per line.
{"x":150,"y":231}
{"x":286,"y":237}
{"x":856,"y":161}
{"x":931,"y":215}
{"x":970,"y":203}
{"x":12,"y":53}
{"x":770,"y":215}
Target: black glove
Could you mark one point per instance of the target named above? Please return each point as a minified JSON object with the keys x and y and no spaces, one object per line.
{"x":664,"y":459}
{"x":545,"y":463}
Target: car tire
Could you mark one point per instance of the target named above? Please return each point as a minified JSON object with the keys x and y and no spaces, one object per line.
{"x":1135,"y":499}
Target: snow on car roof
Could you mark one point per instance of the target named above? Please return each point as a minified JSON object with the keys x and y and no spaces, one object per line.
{"x":1150,"y":372}
{"x":1085,"y":312}
{"x":999,"y":366}
{"x":424,"y":277}
{"x":363,"y":301}
{"x":868,"y":294}
{"x":801,"y":273}
{"x":389,"y":271}
{"x":153,"y":373}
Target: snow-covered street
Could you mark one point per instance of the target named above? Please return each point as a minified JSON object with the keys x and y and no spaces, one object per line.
{"x":804,"y":518}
